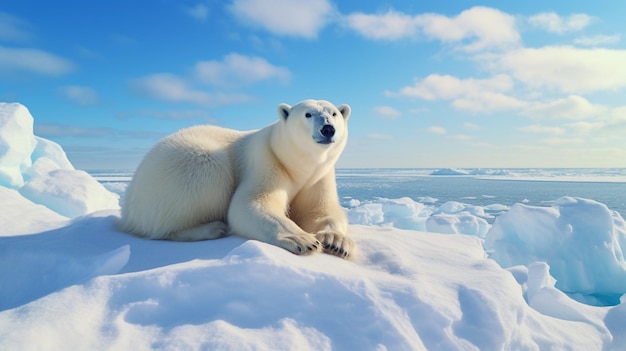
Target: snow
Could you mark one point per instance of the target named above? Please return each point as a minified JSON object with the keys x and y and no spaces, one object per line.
{"x":427,"y":277}
{"x":39,"y":169}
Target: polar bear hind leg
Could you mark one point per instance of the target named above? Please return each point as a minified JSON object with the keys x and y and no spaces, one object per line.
{"x":208,"y":231}
{"x":182,"y":188}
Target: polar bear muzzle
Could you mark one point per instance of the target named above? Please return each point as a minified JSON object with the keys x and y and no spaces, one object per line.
{"x":328,"y":132}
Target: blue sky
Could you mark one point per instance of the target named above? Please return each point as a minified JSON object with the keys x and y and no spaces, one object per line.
{"x":431,"y":84}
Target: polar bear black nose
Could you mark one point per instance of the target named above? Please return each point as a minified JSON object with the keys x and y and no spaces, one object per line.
{"x":328,"y":131}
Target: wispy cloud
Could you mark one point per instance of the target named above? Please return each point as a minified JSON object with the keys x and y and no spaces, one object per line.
{"x":236,"y":69}
{"x":175,"y":115}
{"x":376,"y":136}
{"x":387,"y":112}
{"x":56,"y":130}
{"x":171,"y":88}
{"x":554,"y":23}
{"x":571,"y":107}
{"x":447,"y":87}
{"x":598,"y":40}
{"x":198,"y":11}
{"x":473,"y":95}
{"x":471,"y":126}
{"x":563,"y":141}
{"x":541,"y":129}
{"x":436,"y":130}
{"x":295,"y":18}
{"x":13,"y":28}
{"x":18,"y":60}
{"x":81,"y":95}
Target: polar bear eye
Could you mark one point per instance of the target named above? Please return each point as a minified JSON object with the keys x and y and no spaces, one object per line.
{"x":307,"y":115}
{"x":334,"y":114}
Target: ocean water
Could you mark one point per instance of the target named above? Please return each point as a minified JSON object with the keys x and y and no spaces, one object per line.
{"x":532,"y":187}
{"x":480,"y":187}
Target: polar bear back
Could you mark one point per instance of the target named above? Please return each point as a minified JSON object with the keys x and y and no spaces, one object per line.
{"x":182,"y":169}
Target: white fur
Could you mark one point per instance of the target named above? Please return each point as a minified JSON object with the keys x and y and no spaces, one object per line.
{"x":275,"y":185}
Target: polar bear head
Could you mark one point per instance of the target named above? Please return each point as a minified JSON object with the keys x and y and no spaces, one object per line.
{"x":316,"y":121}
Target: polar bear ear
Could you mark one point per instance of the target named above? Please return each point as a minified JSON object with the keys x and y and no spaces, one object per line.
{"x":283,"y":111}
{"x":344,"y":110}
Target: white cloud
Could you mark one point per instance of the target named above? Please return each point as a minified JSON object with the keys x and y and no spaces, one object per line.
{"x":554,"y":23}
{"x":387,"y":112}
{"x":447,"y":87}
{"x":81,"y":95}
{"x":483,"y":27}
{"x":617,"y":117}
{"x":171,"y":88}
{"x":296,"y":18}
{"x":13,"y":60}
{"x":486,"y":102}
{"x":436,"y":130}
{"x":584,"y":127}
{"x":541,"y":129}
{"x":474,"y":95}
{"x":238,"y":69}
{"x":389,"y":26}
{"x":488,"y":26}
{"x":598,"y":40}
{"x":12,"y":28}
{"x":199,"y":11}
{"x":566,"y":68}
{"x":571,"y":107}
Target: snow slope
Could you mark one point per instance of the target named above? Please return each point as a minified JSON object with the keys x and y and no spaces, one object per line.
{"x":80,"y":284}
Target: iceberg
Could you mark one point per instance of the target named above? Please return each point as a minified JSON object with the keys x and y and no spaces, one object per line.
{"x":40,"y":170}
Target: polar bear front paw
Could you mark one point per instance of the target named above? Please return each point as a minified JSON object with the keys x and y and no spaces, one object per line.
{"x":337,"y":244}
{"x":303,"y":244}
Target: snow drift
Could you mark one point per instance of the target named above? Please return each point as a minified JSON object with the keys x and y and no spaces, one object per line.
{"x":79,"y":283}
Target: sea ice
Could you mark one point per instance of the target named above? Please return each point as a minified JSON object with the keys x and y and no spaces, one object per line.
{"x":16,"y":143}
{"x":581,"y":240}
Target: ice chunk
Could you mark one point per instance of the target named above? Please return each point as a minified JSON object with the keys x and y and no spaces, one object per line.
{"x":16,"y":143}
{"x":367,"y":214}
{"x":581,"y":240}
{"x":459,"y":223}
{"x":450,"y":171}
{"x":51,"y":150}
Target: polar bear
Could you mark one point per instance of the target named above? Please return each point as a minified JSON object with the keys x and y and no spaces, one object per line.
{"x":275,"y":185}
